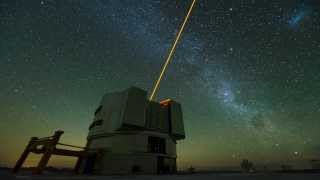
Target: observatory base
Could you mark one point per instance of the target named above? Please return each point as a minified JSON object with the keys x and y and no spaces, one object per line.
{"x":133,"y":135}
{"x":131,"y":153}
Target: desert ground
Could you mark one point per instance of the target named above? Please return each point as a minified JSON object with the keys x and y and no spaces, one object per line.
{"x":197,"y":176}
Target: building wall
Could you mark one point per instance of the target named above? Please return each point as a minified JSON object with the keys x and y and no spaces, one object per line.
{"x":119,"y":153}
{"x":122,"y":125}
{"x":177,"y":126}
{"x":131,"y":142}
{"x":131,"y":109}
{"x":124,"y":163}
{"x":316,"y":165}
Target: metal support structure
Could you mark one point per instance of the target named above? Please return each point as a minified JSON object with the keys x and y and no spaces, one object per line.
{"x":47,"y":147}
{"x":24,"y":155}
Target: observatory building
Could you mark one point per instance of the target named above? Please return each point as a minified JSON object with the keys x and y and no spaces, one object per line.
{"x":130,"y":134}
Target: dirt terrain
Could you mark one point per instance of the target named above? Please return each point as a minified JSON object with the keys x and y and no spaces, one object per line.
{"x":201,"y":176}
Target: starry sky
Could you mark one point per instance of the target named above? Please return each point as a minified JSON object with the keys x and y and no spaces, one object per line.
{"x":247,"y":73}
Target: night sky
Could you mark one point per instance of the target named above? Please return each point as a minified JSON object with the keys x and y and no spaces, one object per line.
{"x":247,"y":73}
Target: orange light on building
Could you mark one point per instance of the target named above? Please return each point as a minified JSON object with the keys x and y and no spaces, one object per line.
{"x":165,"y":102}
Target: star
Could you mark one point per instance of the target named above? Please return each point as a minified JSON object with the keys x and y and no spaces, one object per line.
{"x":16,"y":90}
{"x":245,"y":72}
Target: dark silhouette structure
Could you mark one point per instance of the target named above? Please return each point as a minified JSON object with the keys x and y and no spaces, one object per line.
{"x":315,"y":164}
{"x":132,"y":135}
{"x":247,"y":166}
{"x":47,"y":147}
{"x":286,"y":167}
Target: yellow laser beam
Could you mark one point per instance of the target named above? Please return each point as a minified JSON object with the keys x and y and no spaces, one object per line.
{"x":156,"y":86}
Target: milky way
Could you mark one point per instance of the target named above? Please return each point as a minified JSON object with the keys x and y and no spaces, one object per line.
{"x":246,"y":73}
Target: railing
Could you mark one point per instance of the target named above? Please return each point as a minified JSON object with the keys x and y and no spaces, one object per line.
{"x":69,"y":145}
{"x":47,"y":147}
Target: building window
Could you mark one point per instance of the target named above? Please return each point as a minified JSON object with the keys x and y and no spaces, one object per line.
{"x":96,"y":123}
{"x":98,"y":110}
{"x":156,"y":145}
